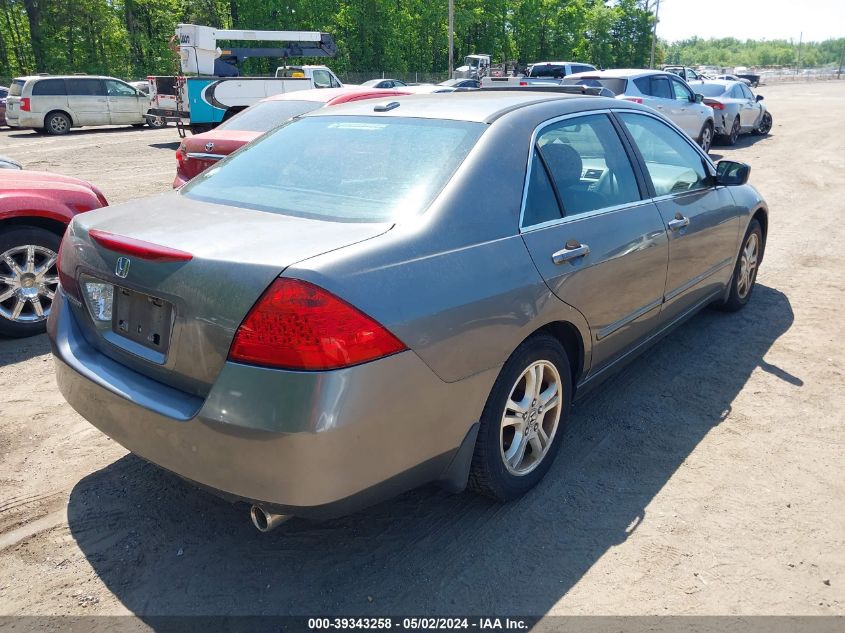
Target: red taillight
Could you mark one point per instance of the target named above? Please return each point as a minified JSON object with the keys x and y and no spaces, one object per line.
{"x":297,"y":325}
{"x":633,"y":99}
{"x":66,"y":281}
{"x":714,"y":104}
{"x":25,"y":104}
{"x":523,"y":83}
{"x":138,"y":248}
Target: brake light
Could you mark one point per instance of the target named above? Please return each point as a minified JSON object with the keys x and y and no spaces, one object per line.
{"x":297,"y":325}
{"x":523,"y":83}
{"x":138,"y":248}
{"x":633,"y":99}
{"x":67,"y":281}
{"x":714,"y":104}
{"x":25,"y":104}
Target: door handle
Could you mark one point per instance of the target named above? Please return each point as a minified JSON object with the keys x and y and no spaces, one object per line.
{"x":678,"y":223}
{"x":572,"y":250}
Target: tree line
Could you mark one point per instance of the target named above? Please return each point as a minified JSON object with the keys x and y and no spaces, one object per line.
{"x":129,"y":38}
{"x":733,"y":52}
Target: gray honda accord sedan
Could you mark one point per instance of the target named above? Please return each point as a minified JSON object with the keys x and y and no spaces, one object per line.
{"x":388,"y":293}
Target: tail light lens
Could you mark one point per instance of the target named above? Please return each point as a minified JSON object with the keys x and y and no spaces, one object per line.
{"x":25,"y":104}
{"x":714,"y":104}
{"x":66,"y":280}
{"x":297,"y":325}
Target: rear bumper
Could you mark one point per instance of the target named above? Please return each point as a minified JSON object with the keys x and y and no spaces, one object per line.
{"x":305,"y":443}
{"x":25,"y":120}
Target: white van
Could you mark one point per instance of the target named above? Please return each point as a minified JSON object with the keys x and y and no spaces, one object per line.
{"x":55,"y":103}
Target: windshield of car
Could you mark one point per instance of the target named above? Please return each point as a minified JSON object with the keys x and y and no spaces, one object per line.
{"x":710,"y":90}
{"x":615,"y":85}
{"x":266,"y":115}
{"x":359,"y":169}
{"x":372,"y":83}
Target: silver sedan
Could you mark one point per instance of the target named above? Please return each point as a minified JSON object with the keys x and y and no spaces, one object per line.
{"x":393,"y":292}
{"x":736,"y":110}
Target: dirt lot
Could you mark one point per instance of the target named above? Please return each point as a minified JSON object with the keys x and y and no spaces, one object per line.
{"x":706,"y":479}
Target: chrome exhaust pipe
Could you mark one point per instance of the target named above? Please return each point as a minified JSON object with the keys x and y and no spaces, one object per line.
{"x":265,"y":521}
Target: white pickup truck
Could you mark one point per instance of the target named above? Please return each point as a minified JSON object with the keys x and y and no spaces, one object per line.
{"x":539,"y":74}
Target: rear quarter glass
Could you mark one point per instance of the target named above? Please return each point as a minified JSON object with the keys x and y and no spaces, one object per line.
{"x":352,"y":169}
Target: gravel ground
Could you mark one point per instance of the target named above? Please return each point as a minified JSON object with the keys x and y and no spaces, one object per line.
{"x":705,"y":479}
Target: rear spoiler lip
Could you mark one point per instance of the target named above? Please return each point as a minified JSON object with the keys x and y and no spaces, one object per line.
{"x":138,"y":248}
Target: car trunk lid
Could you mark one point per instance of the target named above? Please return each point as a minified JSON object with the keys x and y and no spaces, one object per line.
{"x":203,"y":150}
{"x":193,"y":303}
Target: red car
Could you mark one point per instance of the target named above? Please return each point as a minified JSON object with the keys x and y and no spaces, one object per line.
{"x":35,"y":208}
{"x":198,"y":153}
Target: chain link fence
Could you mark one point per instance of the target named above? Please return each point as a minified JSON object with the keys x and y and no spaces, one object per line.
{"x":412,"y":77}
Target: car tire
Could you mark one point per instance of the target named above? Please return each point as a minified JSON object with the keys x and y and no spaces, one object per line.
{"x":765,"y":125}
{"x":745,"y":271}
{"x":502,"y":468}
{"x":705,"y":138}
{"x":57,"y":123}
{"x":731,"y":137}
{"x":46,"y":247}
{"x":156,"y":122}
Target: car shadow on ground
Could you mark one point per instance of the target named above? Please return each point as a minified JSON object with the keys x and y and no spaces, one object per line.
{"x":29,"y":133}
{"x":744,"y":140}
{"x":174,"y":145}
{"x":17,"y":350}
{"x":163,"y":547}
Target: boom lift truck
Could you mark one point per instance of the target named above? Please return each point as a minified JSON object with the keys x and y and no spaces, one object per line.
{"x":210,"y":88}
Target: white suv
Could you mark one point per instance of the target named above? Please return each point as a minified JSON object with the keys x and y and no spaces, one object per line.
{"x":56,"y":103}
{"x":665,"y":92}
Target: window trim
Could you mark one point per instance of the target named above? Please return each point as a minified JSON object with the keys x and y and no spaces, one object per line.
{"x":645,"y":187}
{"x":707,"y":161}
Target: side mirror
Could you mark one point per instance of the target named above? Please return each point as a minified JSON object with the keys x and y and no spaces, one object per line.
{"x":759,"y":97}
{"x":699,"y":98}
{"x":731,"y":173}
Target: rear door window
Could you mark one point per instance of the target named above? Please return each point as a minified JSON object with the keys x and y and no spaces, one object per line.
{"x":660,"y":88}
{"x":588,"y":165}
{"x":86,"y":88}
{"x":49,"y":88}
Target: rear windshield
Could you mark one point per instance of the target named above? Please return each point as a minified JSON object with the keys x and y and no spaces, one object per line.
{"x":359,"y":169}
{"x":547,"y":70}
{"x":267,"y":115}
{"x":710,"y":90}
{"x":16,"y":88}
{"x":616,"y":86}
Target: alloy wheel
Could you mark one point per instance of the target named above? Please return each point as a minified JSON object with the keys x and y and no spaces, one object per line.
{"x":735,"y":131}
{"x":58,"y":124}
{"x":706,"y":138}
{"x":747,"y":266}
{"x":531,"y":417}
{"x":28,"y":282}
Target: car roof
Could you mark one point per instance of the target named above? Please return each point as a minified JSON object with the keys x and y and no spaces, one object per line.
{"x":478,"y":105}
{"x":559,"y":63}
{"x":621,"y":73}
{"x":323,"y":95}
{"x":28,"y":77}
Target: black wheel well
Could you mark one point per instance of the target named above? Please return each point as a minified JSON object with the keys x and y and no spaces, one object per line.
{"x":568,"y":336}
{"x":54,"y":226}
{"x":60,"y":111}
{"x":763,"y":218}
